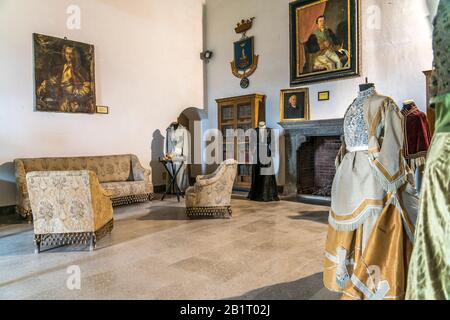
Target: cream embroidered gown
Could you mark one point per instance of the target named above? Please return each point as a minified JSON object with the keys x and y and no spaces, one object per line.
{"x":374,"y":205}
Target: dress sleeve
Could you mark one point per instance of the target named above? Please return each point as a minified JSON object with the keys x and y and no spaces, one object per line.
{"x":386,"y":143}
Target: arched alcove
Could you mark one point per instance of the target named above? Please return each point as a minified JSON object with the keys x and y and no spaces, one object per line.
{"x":194,"y":120}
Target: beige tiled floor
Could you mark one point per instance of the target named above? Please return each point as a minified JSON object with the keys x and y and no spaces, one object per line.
{"x":267,"y":251}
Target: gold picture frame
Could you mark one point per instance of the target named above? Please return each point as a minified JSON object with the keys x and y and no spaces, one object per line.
{"x":52,"y":57}
{"x":342,"y":20}
{"x":102,"y":109}
{"x":294,"y":109}
{"x":323,"y":96}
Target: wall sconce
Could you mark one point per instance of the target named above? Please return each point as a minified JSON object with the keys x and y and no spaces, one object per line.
{"x":206,"y":56}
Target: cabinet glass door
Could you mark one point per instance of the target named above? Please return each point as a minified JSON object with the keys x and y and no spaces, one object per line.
{"x":227,"y":113}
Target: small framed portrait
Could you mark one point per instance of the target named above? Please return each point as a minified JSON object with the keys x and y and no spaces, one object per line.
{"x":294,"y":105}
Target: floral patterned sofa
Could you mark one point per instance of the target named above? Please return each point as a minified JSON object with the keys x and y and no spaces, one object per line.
{"x":210,"y":197}
{"x":121,"y":175}
{"x":69,"y":207}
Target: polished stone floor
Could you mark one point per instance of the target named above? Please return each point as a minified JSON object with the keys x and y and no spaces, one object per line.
{"x":267,"y":251}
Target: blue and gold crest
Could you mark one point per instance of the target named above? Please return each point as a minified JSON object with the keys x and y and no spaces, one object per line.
{"x":243,"y":54}
{"x":245,"y":61}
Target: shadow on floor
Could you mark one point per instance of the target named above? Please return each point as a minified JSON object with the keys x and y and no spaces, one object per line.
{"x":315,"y":216}
{"x":12,"y":223}
{"x":165,"y":213}
{"x":12,"y":218}
{"x":308,"y":200}
{"x":303,"y":289}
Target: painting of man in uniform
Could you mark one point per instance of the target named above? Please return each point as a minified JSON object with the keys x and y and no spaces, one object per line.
{"x":64,"y":75}
{"x":323,"y":37}
{"x":324,"y":40}
{"x":325,"y":52}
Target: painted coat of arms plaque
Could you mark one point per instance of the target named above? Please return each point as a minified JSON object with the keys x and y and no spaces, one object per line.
{"x":245,"y":61}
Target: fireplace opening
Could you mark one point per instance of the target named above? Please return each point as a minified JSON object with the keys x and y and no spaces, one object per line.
{"x":316,"y":165}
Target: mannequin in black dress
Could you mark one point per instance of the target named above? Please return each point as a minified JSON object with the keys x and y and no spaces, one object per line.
{"x":264,"y":187}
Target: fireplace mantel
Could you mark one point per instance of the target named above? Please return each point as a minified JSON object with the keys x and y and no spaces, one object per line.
{"x":297,"y":133}
{"x":316,"y":128}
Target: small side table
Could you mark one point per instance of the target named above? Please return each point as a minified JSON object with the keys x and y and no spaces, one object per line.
{"x":173,"y":187}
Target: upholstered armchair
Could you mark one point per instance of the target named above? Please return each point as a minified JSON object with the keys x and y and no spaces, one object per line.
{"x":210,"y":197}
{"x":69,"y":207}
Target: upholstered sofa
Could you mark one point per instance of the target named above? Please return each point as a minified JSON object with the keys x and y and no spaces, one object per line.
{"x":69,"y":207}
{"x":210,"y":197}
{"x":122,"y":175}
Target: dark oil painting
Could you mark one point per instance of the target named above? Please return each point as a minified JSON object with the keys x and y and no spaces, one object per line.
{"x":64,"y":75}
{"x":294,"y":105}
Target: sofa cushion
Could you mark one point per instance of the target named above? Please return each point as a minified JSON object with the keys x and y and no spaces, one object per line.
{"x":107,"y":168}
{"x":129,"y":188}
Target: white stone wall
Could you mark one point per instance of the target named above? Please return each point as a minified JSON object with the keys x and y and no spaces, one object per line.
{"x":147,"y":71}
{"x":393,"y":55}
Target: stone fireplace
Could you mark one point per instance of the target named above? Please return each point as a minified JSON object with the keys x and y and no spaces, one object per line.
{"x":311,"y":149}
{"x":316,"y":165}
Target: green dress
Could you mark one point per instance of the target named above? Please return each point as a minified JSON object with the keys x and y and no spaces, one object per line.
{"x":429,"y":273}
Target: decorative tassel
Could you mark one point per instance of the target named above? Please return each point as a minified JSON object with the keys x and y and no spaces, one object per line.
{"x":417,"y":163}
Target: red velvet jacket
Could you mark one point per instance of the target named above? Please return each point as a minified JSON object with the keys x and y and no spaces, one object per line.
{"x":417,"y":136}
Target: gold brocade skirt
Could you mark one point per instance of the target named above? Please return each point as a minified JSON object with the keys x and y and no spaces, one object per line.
{"x":368,"y":259}
{"x":376,"y":270}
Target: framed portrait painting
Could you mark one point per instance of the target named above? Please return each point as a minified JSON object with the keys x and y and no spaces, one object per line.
{"x":64,"y":75}
{"x":324,"y":40}
{"x":294,"y":105}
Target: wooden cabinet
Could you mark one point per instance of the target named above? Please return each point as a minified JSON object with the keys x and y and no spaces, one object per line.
{"x":431,"y":114}
{"x":243,"y":112}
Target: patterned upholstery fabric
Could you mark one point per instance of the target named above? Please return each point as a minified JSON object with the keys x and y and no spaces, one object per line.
{"x":68,"y":205}
{"x":123,"y":189}
{"x":441,"y":33}
{"x":121,"y":169}
{"x":211,"y":194}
